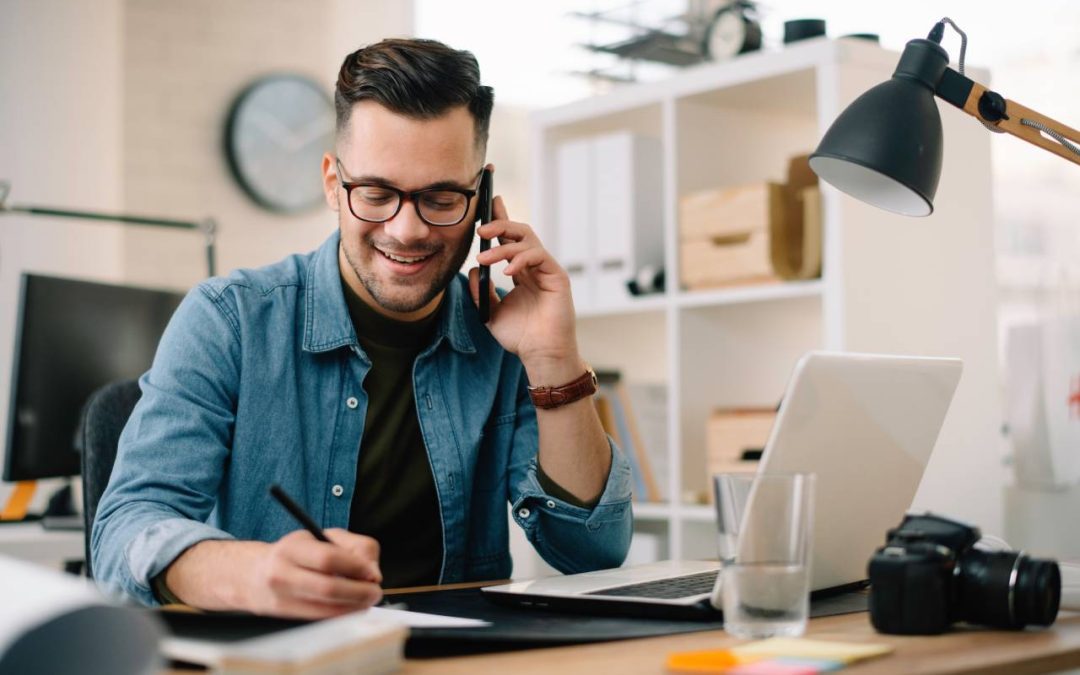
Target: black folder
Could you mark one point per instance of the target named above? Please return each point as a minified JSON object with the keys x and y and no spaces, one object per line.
{"x":518,"y":628}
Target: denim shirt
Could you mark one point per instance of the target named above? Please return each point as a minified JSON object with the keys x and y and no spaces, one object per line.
{"x":258,"y":379}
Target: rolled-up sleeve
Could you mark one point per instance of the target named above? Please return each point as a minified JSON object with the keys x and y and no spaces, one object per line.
{"x":569,"y":538}
{"x":172,"y":452}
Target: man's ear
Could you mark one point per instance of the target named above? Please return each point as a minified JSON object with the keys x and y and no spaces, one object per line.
{"x":330,"y":181}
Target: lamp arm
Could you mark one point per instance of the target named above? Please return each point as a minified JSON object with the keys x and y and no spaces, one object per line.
{"x":208,"y":227}
{"x":1005,"y":115}
{"x":997,"y":113}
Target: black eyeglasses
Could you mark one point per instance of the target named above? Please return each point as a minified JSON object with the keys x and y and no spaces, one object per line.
{"x":376,"y":203}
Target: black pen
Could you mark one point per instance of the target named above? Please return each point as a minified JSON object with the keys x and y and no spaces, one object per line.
{"x":298,"y":513}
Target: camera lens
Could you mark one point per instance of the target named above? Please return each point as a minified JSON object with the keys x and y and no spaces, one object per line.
{"x":1006,"y":589}
{"x":1038,"y":595}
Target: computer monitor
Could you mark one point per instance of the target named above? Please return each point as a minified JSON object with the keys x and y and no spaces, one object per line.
{"x":73,"y":337}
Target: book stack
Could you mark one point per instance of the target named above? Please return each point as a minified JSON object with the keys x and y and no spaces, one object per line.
{"x":56,"y":623}
{"x":635,"y":418}
{"x":353,"y":643}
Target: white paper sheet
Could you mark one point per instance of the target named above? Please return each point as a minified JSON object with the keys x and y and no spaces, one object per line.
{"x":421,"y":620}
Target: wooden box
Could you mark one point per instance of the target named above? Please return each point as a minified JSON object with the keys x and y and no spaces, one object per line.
{"x":754,"y":233}
{"x":725,"y":236}
{"x":730,"y":434}
{"x":724,"y":212}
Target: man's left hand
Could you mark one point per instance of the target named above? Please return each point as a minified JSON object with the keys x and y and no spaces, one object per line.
{"x":535,"y":320}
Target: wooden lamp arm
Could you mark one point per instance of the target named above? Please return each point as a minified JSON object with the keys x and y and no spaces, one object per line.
{"x":998,"y":113}
{"x":1022,"y":122}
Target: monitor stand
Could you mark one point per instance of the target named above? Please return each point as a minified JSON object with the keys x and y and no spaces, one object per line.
{"x":60,"y":514}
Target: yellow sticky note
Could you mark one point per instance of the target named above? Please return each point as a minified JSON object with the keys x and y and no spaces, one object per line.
{"x":845,"y":652}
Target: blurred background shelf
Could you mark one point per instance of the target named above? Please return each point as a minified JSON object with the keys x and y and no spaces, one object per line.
{"x":736,"y":123}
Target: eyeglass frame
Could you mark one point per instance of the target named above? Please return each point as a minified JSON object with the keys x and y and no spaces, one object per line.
{"x":402,"y":195}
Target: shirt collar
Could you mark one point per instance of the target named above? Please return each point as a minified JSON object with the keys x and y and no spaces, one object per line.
{"x":329,"y":325}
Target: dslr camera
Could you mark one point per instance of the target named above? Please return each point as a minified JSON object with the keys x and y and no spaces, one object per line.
{"x":930,"y":574}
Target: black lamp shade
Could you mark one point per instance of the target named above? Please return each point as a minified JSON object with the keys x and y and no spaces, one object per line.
{"x":885,"y":148}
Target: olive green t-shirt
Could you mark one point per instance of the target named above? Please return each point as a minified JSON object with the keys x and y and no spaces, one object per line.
{"x":395,"y":500}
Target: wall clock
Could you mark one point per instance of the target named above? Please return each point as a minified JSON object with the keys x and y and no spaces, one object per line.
{"x":276,"y":133}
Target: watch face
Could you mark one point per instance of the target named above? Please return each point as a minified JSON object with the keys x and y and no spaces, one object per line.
{"x":727,"y":35}
{"x":277,"y":132}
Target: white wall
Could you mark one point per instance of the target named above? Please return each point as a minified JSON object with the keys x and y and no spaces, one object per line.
{"x":60,"y":129}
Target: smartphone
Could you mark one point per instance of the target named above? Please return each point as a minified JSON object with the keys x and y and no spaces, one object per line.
{"x":483,"y":213}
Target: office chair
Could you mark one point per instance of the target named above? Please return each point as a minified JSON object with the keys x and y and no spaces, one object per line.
{"x":103,"y":418}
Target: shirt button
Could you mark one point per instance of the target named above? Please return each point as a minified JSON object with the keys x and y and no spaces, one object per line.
{"x":523,"y":513}
{"x":337,"y":490}
{"x":352,"y":402}
{"x":550,"y":504}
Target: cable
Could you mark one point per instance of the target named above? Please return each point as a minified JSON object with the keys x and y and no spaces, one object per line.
{"x":1051,"y":133}
{"x":963,"y":54}
{"x":1023,"y":120}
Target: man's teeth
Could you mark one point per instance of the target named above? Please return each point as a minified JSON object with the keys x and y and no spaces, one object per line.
{"x":401,"y":259}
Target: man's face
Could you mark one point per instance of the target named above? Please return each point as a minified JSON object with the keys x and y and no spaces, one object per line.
{"x":401,"y":266}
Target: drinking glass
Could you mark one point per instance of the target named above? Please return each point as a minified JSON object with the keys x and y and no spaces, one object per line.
{"x":765,"y":526}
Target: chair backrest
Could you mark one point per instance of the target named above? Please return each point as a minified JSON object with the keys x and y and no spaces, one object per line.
{"x":103,"y":418}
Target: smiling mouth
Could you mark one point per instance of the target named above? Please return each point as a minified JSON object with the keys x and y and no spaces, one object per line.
{"x":406,"y":260}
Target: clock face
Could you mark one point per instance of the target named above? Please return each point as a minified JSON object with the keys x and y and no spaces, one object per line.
{"x":727,"y":35}
{"x":277,"y":132}
{"x":732,"y":31}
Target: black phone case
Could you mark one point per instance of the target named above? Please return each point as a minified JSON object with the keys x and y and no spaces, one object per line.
{"x":484,"y":212}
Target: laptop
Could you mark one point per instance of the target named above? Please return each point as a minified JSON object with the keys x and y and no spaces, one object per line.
{"x":864,"y":424}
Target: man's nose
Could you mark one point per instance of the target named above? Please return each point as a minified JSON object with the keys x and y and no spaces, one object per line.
{"x":407,"y":226}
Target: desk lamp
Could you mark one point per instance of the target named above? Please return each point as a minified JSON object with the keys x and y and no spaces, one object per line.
{"x":885,"y":148}
{"x":208,"y":227}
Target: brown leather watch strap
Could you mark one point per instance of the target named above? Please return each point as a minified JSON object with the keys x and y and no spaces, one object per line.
{"x":553,"y":397}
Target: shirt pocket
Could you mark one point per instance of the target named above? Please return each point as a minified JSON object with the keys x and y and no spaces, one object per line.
{"x":493,"y":452}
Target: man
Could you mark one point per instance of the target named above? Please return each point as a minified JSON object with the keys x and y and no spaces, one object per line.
{"x":360,"y":378}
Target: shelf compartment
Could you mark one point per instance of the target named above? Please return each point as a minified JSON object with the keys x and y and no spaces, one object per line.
{"x":723,"y":140}
{"x":635,"y":344}
{"x":737,"y":356}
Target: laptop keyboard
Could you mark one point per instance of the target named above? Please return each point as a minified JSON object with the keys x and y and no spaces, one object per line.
{"x":666,"y":589}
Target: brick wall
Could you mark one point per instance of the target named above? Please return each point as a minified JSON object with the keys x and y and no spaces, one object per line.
{"x":183,"y":65}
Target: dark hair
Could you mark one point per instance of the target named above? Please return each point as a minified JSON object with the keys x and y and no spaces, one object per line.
{"x":416,"y":78}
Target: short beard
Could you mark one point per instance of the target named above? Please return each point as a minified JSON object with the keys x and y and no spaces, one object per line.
{"x":386,"y":300}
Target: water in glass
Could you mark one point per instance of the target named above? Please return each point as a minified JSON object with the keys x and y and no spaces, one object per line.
{"x":765,"y":599}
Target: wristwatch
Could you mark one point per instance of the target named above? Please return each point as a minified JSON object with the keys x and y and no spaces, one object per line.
{"x":553,"y":397}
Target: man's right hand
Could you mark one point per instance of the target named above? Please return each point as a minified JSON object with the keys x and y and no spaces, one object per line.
{"x":297,"y":576}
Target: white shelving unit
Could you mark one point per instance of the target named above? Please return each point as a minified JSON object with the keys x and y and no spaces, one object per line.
{"x":889,"y":284}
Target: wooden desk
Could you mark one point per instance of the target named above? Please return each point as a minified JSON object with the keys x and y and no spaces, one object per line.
{"x":969,"y":651}
{"x":32,"y":543}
